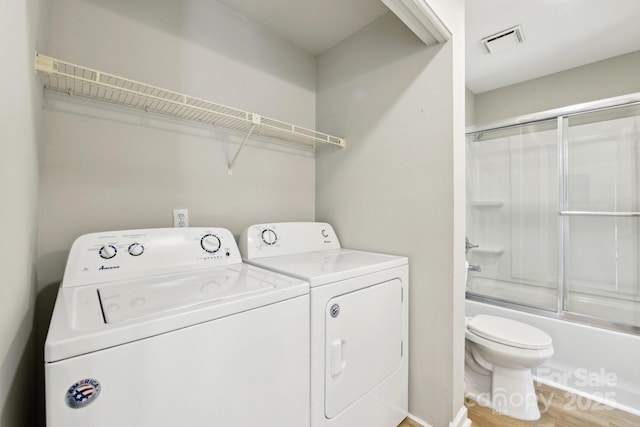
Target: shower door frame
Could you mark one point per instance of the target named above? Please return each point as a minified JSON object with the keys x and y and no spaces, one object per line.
{"x":562,"y":116}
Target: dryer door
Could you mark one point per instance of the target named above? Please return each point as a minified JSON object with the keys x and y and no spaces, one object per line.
{"x":363,"y":342}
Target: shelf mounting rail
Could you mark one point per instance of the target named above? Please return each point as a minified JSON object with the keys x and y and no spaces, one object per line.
{"x":62,"y":76}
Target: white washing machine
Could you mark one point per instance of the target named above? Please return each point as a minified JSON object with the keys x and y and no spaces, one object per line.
{"x":167,"y":327}
{"x":359,"y":321}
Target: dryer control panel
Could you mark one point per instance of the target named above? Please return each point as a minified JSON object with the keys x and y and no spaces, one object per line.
{"x":284,"y":238}
{"x":127,"y":254}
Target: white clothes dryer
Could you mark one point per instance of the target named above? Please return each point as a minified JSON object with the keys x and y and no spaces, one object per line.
{"x":167,"y":327}
{"x":359,"y":321}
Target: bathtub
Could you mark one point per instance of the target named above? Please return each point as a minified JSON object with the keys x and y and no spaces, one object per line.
{"x":593,"y":363}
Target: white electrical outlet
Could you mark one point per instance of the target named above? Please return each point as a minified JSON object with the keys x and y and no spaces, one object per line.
{"x":181,"y":218}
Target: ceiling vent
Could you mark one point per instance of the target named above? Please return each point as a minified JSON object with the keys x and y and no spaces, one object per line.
{"x":504,"y":40}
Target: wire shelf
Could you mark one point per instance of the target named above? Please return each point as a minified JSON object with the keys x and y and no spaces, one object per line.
{"x":61,"y":76}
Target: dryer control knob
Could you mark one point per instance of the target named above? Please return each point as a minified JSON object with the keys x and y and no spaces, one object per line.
{"x":108,"y":251}
{"x":269,"y":236}
{"x":136,"y":249}
{"x":210,"y":243}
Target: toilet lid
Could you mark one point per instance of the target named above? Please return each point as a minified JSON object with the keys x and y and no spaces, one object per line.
{"x":509,"y":332}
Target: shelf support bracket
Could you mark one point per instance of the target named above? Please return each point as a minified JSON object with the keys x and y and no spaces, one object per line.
{"x":44,"y":64}
{"x":233,"y":162}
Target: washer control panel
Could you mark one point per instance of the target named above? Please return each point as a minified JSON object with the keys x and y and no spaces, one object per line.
{"x":284,"y":238}
{"x":127,"y":254}
{"x":107,"y":251}
{"x":210,"y":243}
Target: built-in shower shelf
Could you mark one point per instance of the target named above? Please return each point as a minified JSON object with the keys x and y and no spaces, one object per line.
{"x":62,"y":76}
{"x":488,"y":250}
{"x":485,"y":204}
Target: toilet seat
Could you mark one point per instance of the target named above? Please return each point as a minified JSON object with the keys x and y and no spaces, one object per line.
{"x":509,"y":332}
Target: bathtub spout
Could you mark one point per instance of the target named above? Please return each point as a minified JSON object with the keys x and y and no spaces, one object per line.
{"x":474,"y":267}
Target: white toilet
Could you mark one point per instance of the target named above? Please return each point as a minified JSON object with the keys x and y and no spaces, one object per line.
{"x":499,"y":356}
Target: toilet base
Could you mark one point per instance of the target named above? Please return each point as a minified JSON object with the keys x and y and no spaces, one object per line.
{"x":507,"y":391}
{"x":513,"y":393}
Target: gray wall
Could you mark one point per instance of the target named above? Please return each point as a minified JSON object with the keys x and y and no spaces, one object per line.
{"x":470,"y":107}
{"x":392,"y":189}
{"x":604,"y":79}
{"x":21,"y":32}
{"x":106,"y":168}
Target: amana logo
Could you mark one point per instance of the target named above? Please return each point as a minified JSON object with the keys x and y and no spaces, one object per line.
{"x":108,"y":268}
{"x":82,"y":393}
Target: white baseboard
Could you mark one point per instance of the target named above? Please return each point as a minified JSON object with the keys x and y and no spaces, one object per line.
{"x":418,"y":420}
{"x":461,"y":419}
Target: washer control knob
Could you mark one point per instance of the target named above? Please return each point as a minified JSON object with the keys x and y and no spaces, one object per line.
{"x":210,"y":243}
{"x":136,"y":249}
{"x":324,"y":233}
{"x":269,"y":236}
{"x":108,"y":251}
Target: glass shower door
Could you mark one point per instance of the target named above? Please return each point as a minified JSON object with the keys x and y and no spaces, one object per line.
{"x":601,"y":215}
{"x":512,"y":215}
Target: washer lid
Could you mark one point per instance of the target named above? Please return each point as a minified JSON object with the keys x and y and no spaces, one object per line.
{"x":125,"y":301}
{"x":94,"y":317}
{"x":509,"y":332}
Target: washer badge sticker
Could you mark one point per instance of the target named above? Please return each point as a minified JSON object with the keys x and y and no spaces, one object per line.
{"x":82,"y":393}
{"x":334,"y":310}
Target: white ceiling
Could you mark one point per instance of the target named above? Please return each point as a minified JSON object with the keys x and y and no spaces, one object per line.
{"x":314,"y":25}
{"x":559,"y":35}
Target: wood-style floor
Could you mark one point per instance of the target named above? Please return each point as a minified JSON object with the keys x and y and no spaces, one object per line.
{"x":409,"y":423}
{"x":558,"y":409}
